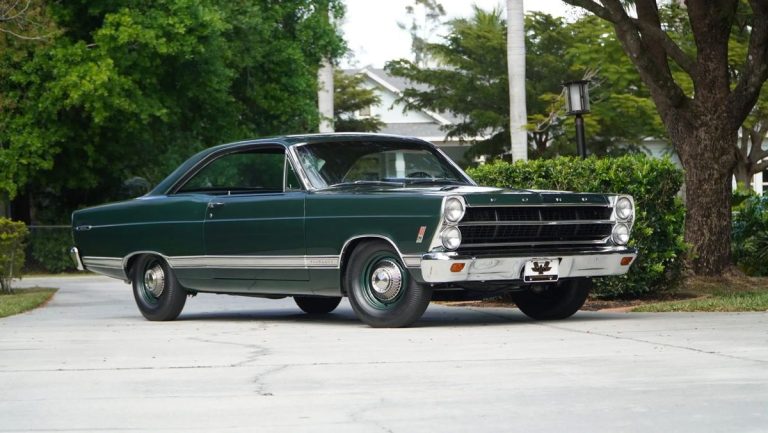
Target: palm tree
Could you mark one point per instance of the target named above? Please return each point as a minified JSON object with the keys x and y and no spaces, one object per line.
{"x":516,"y":65}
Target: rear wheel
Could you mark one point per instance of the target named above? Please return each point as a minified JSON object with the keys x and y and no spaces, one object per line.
{"x":555,"y":301}
{"x":316,"y":304}
{"x":156,"y":290}
{"x":380,"y":289}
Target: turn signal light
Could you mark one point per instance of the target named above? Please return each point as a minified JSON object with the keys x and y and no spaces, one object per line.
{"x":626,"y":261}
{"x":457,"y":267}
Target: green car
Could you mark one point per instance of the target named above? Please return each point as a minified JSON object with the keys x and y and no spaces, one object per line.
{"x":389,"y":222}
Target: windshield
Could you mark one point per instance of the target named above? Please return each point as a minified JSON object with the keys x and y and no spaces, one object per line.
{"x":386,"y":162}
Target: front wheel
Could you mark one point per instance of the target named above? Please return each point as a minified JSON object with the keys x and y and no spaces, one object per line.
{"x":156,"y":290}
{"x":555,"y":301}
{"x":380,"y":289}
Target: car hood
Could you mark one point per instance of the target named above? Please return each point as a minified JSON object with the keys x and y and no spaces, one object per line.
{"x":486,"y":196}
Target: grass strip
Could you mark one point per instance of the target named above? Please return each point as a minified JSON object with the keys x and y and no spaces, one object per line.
{"x":724,"y":302}
{"x":22,"y":300}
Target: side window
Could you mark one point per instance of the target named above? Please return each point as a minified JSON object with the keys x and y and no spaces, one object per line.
{"x":241,"y":172}
{"x":292,"y":182}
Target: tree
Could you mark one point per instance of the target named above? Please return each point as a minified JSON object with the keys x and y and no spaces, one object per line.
{"x":23,"y":19}
{"x":587,"y":48}
{"x":426,"y":18}
{"x":349,"y":98}
{"x":516,"y":68}
{"x":702,"y":125}
{"x":751,"y":158}
{"x":473,"y":84}
{"x":133,"y":87}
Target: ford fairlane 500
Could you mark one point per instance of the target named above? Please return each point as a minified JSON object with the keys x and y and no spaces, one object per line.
{"x":389,"y":222}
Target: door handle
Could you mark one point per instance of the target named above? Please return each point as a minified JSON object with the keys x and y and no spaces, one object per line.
{"x":215,"y":204}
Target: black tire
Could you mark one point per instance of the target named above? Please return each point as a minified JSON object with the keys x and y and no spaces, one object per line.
{"x":156,"y":290}
{"x":394,"y":304}
{"x":317,"y":304}
{"x":559,"y":301}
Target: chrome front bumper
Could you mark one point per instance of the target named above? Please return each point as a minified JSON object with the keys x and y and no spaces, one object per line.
{"x":437,"y":267}
{"x":75,"y":255}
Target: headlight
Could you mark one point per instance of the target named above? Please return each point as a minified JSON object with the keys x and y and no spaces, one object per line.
{"x":454,"y":210}
{"x":620,"y":234}
{"x":451,"y":238}
{"x":624,"y":209}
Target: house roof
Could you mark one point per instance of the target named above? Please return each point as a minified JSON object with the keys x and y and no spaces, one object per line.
{"x":432,"y":131}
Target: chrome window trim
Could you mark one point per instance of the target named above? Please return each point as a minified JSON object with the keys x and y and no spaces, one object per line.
{"x":214,"y":156}
{"x":394,"y":138}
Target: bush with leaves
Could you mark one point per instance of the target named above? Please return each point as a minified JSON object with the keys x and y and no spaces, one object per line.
{"x":750,"y":236}
{"x":49,"y":249}
{"x":12,"y":237}
{"x":654,"y":183}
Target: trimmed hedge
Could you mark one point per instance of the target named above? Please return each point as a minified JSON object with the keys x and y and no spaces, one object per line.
{"x":12,"y":237}
{"x":654,"y":183}
{"x":49,"y":249}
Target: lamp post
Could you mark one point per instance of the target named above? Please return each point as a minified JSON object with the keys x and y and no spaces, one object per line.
{"x":576,"y":104}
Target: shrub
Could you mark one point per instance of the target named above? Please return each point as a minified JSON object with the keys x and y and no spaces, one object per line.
{"x":12,"y":237}
{"x":750,"y":236}
{"x":654,"y":183}
{"x":49,"y":248}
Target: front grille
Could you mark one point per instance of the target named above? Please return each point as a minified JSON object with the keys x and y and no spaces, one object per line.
{"x":511,"y":226}
{"x":559,"y":213}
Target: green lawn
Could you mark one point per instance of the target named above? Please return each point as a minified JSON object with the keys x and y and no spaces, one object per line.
{"x":734,"y":301}
{"x":24,"y":300}
{"x":725,"y":293}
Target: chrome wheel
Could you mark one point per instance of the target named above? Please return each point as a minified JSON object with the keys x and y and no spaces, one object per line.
{"x":381,"y":290}
{"x":386,"y":281}
{"x":156,"y":290}
{"x":154,"y":280}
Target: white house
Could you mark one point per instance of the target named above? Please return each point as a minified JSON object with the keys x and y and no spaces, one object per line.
{"x":660,"y":148}
{"x":398,"y":120}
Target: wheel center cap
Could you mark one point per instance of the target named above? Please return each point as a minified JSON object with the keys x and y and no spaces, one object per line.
{"x":386,"y":280}
{"x":154,"y":280}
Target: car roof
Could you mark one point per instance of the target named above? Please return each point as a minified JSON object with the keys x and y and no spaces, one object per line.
{"x":283,"y":140}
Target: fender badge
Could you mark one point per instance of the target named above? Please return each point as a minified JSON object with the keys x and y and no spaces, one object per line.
{"x":420,"y":236}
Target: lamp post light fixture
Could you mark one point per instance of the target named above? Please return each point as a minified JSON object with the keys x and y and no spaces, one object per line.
{"x":577,"y":104}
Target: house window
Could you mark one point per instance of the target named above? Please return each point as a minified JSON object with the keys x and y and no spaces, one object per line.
{"x":364,"y":112}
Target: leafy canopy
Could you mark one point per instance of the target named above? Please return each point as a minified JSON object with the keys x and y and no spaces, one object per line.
{"x":132,"y":87}
{"x":472,"y":83}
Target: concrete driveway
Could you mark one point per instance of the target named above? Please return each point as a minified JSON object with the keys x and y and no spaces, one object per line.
{"x":89,"y":362}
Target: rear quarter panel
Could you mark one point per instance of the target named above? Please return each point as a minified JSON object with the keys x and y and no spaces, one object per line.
{"x":171,"y":226}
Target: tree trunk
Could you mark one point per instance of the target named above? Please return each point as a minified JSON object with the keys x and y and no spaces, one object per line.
{"x":518,"y":117}
{"x":743,"y":175}
{"x":708,"y":194}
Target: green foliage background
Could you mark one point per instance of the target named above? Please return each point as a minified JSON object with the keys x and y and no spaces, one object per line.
{"x":750,"y":236}
{"x":130,"y":88}
{"x":12,"y":240}
{"x":654,"y":183}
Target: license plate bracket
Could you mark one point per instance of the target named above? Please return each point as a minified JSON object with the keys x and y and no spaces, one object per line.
{"x":544,"y":270}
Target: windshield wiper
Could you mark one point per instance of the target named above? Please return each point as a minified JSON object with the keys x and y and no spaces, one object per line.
{"x":367,"y":182}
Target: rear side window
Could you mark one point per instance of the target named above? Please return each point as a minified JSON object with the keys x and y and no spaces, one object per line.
{"x":241,"y":172}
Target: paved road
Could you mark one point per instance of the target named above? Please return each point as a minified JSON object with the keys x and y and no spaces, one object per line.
{"x":89,"y":362}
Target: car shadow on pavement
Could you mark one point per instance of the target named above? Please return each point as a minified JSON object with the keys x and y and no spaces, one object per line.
{"x":439,"y":317}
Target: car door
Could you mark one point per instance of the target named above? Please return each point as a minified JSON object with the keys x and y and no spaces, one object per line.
{"x":254,"y":223}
